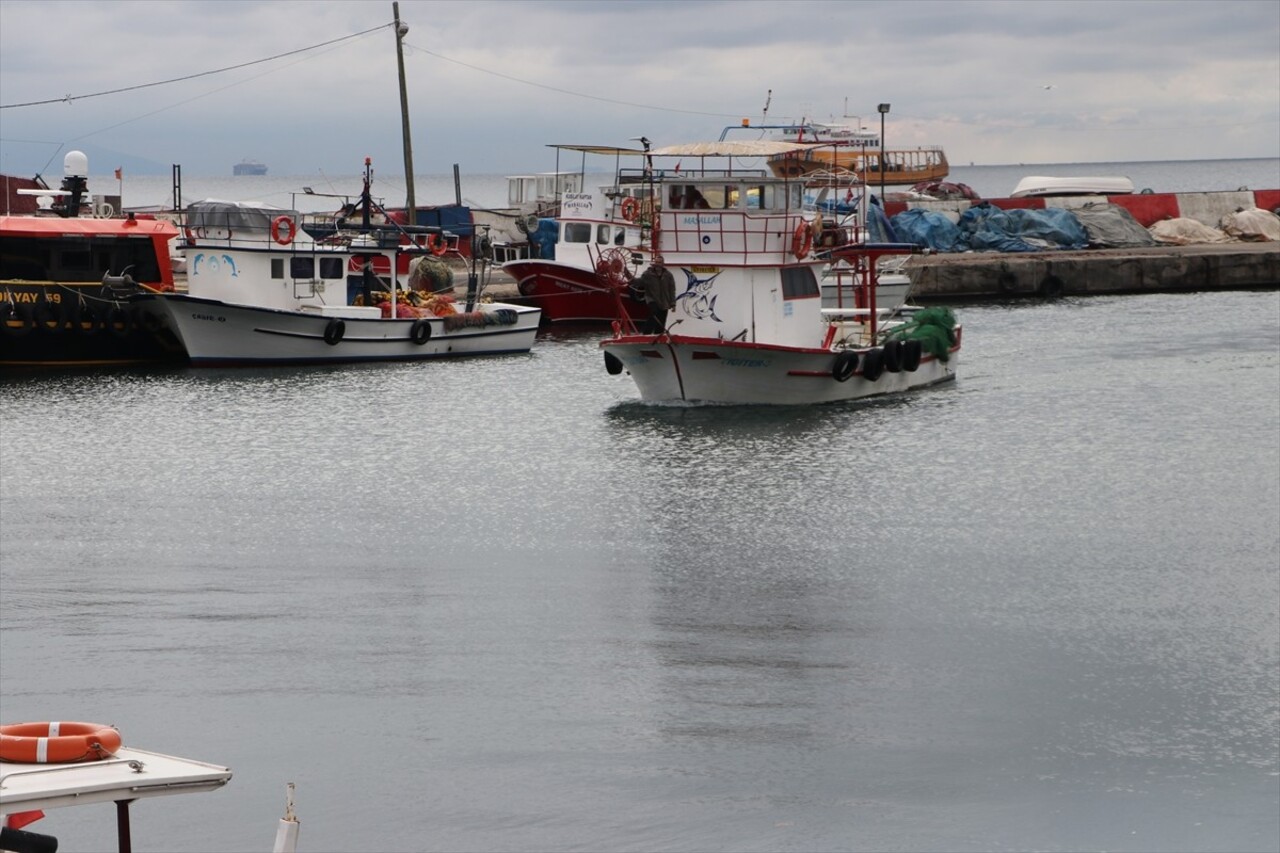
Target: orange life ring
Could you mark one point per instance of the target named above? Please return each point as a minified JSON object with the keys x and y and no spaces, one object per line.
{"x":436,"y":244}
{"x":802,"y":240}
{"x":57,"y":742}
{"x":630,"y":209}
{"x":290,"y":230}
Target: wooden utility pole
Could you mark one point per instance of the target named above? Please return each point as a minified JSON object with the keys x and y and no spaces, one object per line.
{"x":410,"y":202}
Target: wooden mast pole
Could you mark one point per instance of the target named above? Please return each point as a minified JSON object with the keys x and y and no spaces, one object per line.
{"x":410,"y":202}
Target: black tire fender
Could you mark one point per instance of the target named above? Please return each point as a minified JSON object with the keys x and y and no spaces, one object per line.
{"x":334,"y":331}
{"x":420,"y":332}
{"x":893,"y":356}
{"x":845,"y":365}
{"x":912,"y":352}
{"x":612,"y":364}
{"x":873,"y":364}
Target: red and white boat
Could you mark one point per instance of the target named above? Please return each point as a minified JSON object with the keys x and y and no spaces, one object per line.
{"x":595,"y":232}
{"x":68,"y":272}
{"x":746,"y":324}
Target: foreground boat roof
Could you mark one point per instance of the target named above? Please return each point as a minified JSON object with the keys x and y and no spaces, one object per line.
{"x":57,"y":225}
{"x":132,"y":774}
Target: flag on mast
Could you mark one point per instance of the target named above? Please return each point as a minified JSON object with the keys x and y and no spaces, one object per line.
{"x":120,"y":173}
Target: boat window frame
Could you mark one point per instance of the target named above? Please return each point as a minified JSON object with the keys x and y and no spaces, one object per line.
{"x":798,"y":282}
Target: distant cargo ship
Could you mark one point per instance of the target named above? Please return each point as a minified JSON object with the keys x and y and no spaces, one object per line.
{"x":248,"y":167}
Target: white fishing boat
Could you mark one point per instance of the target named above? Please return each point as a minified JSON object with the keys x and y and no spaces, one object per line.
{"x":746,"y":323}
{"x":261,"y":291}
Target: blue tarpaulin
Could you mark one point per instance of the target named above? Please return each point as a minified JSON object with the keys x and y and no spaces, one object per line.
{"x":990,"y":229}
{"x":929,"y":229}
{"x":879,"y":230}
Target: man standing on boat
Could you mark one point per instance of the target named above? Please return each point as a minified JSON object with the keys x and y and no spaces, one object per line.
{"x":657,"y":287}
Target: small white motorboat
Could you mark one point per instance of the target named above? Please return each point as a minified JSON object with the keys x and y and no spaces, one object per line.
{"x":1039,"y":185}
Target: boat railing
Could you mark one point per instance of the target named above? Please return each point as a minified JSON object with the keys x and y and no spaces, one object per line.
{"x":734,"y":236}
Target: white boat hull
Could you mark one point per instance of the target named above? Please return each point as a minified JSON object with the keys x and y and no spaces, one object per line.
{"x":220,"y":333}
{"x":719,"y":371}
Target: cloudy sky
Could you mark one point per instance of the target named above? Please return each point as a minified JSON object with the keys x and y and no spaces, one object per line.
{"x":492,"y":82}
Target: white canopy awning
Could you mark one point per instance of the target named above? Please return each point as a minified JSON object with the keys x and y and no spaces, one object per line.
{"x":724,"y":148}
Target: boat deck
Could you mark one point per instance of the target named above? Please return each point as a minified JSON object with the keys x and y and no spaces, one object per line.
{"x":132,"y":774}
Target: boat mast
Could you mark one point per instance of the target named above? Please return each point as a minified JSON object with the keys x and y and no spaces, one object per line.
{"x":410,"y":202}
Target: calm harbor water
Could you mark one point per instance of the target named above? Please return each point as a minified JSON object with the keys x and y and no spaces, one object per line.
{"x":499,"y":604}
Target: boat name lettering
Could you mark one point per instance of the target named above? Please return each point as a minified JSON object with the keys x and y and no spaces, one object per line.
{"x":196,"y":316}
{"x":706,"y":219}
{"x":744,"y":362}
{"x":704,"y":270}
{"x":27,"y":296}
{"x":576,"y":203}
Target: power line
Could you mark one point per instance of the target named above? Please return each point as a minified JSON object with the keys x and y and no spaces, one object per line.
{"x":69,"y":98}
{"x":570,"y":92}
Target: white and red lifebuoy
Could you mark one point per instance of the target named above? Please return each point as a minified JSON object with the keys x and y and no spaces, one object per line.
{"x":283,"y":230}
{"x":57,"y":742}
{"x":630,"y":209}
{"x":436,"y":244}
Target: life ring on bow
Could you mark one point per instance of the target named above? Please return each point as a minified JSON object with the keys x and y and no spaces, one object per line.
{"x":290,"y":230}
{"x":802,"y":241}
{"x":630,"y":209}
{"x":57,"y":743}
{"x":436,"y":244}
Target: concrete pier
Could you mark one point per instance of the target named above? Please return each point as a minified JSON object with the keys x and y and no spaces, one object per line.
{"x":1002,"y":275}
{"x":1154,"y":269}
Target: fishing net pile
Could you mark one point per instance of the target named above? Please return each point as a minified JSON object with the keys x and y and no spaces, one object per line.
{"x":430,"y":273}
{"x":933,"y":327}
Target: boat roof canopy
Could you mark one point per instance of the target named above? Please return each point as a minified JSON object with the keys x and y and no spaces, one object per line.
{"x":610,"y":150}
{"x":727,"y":148}
{"x":87,"y":226}
{"x":243,"y":215}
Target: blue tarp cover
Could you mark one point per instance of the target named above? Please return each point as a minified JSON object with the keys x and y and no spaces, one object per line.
{"x":879,"y":230}
{"x":545,"y":238}
{"x":990,"y":229}
{"x":929,"y":230}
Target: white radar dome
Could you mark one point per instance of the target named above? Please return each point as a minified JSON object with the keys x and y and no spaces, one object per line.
{"x":75,"y":165}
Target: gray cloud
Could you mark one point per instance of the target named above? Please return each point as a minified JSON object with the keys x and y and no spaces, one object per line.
{"x":492,"y":83}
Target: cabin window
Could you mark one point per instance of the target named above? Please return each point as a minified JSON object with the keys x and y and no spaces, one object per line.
{"x":619,"y":236}
{"x":577,"y":232}
{"x":798,"y":283}
{"x":277,"y":267}
{"x":602,"y":234}
{"x":302,"y":267}
{"x":77,"y":259}
{"x":332,"y":267}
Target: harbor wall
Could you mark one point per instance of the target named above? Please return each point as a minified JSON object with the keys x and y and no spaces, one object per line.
{"x":1153,"y":269}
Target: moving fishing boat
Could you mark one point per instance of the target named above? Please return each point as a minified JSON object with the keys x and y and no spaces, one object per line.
{"x":261,"y":292}
{"x":68,"y":273}
{"x":745,"y":322}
